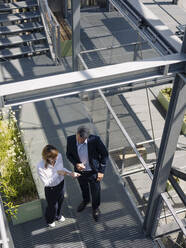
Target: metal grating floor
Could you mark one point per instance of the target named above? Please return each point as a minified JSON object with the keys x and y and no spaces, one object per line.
{"x":110,"y":32}
{"x":119,"y":224}
{"x":36,"y":234}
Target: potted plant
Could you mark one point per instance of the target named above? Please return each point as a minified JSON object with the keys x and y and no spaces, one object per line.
{"x":17,"y":186}
{"x":164,"y":99}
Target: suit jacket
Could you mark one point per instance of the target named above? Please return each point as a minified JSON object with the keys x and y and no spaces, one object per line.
{"x":97,"y":153}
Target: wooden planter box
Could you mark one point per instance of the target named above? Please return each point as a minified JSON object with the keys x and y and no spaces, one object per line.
{"x":28,"y":211}
{"x":127,"y":156}
{"x":165,"y":104}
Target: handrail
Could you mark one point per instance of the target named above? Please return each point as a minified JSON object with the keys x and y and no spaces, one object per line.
{"x":52,"y":29}
{"x":4,"y":237}
{"x":126,"y":135}
{"x":163,"y":195}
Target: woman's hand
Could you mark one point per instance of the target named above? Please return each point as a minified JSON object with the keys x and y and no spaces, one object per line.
{"x":75,"y":174}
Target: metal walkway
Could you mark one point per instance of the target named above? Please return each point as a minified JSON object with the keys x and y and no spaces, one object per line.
{"x":51,"y":121}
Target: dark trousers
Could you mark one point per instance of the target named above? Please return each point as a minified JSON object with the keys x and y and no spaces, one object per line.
{"x":86,"y":180}
{"x":54,"y":197}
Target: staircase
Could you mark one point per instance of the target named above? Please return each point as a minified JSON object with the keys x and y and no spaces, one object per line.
{"x":21,"y":30}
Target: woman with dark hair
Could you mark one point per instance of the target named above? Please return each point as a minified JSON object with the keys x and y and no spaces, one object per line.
{"x":51,"y":172}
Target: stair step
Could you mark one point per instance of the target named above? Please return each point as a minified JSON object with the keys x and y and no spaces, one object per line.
{"x":18,"y":5}
{"x":14,"y":52}
{"x":23,"y":27}
{"x":14,"y":40}
{"x":18,"y":16}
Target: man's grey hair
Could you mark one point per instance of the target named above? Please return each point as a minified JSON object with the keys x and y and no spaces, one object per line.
{"x":83,"y":132}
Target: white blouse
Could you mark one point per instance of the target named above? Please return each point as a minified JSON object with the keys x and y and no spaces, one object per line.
{"x":49,"y":175}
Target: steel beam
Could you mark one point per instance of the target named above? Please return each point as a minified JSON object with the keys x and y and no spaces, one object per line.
{"x":177,"y":188}
{"x":174,"y":1}
{"x":91,"y":79}
{"x":179,"y":172}
{"x":65,"y":8}
{"x":75,"y":33}
{"x":168,"y":145}
{"x":183,"y":49}
{"x":162,"y":195}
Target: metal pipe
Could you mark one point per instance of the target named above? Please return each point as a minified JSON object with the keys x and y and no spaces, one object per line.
{"x":179,"y":222}
{"x":177,"y":212}
{"x":135,"y":171}
{"x":4,"y":237}
{"x":147,"y":141}
{"x":126,"y":134}
{"x":112,"y":47}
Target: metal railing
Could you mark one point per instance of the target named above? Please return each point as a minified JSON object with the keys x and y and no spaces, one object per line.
{"x":143,"y":163}
{"x":4,"y":240}
{"x":52,"y":29}
{"x":146,"y":166}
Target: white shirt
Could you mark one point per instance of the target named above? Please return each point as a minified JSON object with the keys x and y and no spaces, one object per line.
{"x":49,"y":175}
{"x":83,"y":154}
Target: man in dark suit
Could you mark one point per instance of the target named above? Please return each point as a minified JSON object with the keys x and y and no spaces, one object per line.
{"x":89,"y":156}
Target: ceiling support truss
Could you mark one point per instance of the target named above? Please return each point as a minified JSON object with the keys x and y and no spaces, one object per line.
{"x":123,"y":74}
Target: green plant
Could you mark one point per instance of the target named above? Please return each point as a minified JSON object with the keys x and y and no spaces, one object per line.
{"x":167,"y":92}
{"x":16,"y":182}
{"x":169,"y":185}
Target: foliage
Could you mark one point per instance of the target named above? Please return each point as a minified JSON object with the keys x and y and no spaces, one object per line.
{"x":16,"y":182}
{"x":167,"y":93}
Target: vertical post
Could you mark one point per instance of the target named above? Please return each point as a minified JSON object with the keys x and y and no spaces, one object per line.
{"x":183,"y":48}
{"x":3,"y":231}
{"x":65,"y":8}
{"x":174,"y":1}
{"x":107,"y":129}
{"x":59,"y":44}
{"x":75,"y":33}
{"x":1,"y":102}
{"x":54,"y":41}
{"x":108,"y":5}
{"x":173,"y":123}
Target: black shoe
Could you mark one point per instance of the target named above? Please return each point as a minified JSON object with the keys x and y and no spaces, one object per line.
{"x":96,"y":214}
{"x":82,"y":206}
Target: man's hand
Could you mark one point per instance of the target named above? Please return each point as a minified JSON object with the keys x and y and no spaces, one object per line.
{"x":80,"y":166}
{"x":75,"y":174}
{"x":100,"y":176}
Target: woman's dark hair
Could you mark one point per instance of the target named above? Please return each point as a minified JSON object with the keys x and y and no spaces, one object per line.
{"x":49,"y":151}
{"x":83,"y":132}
